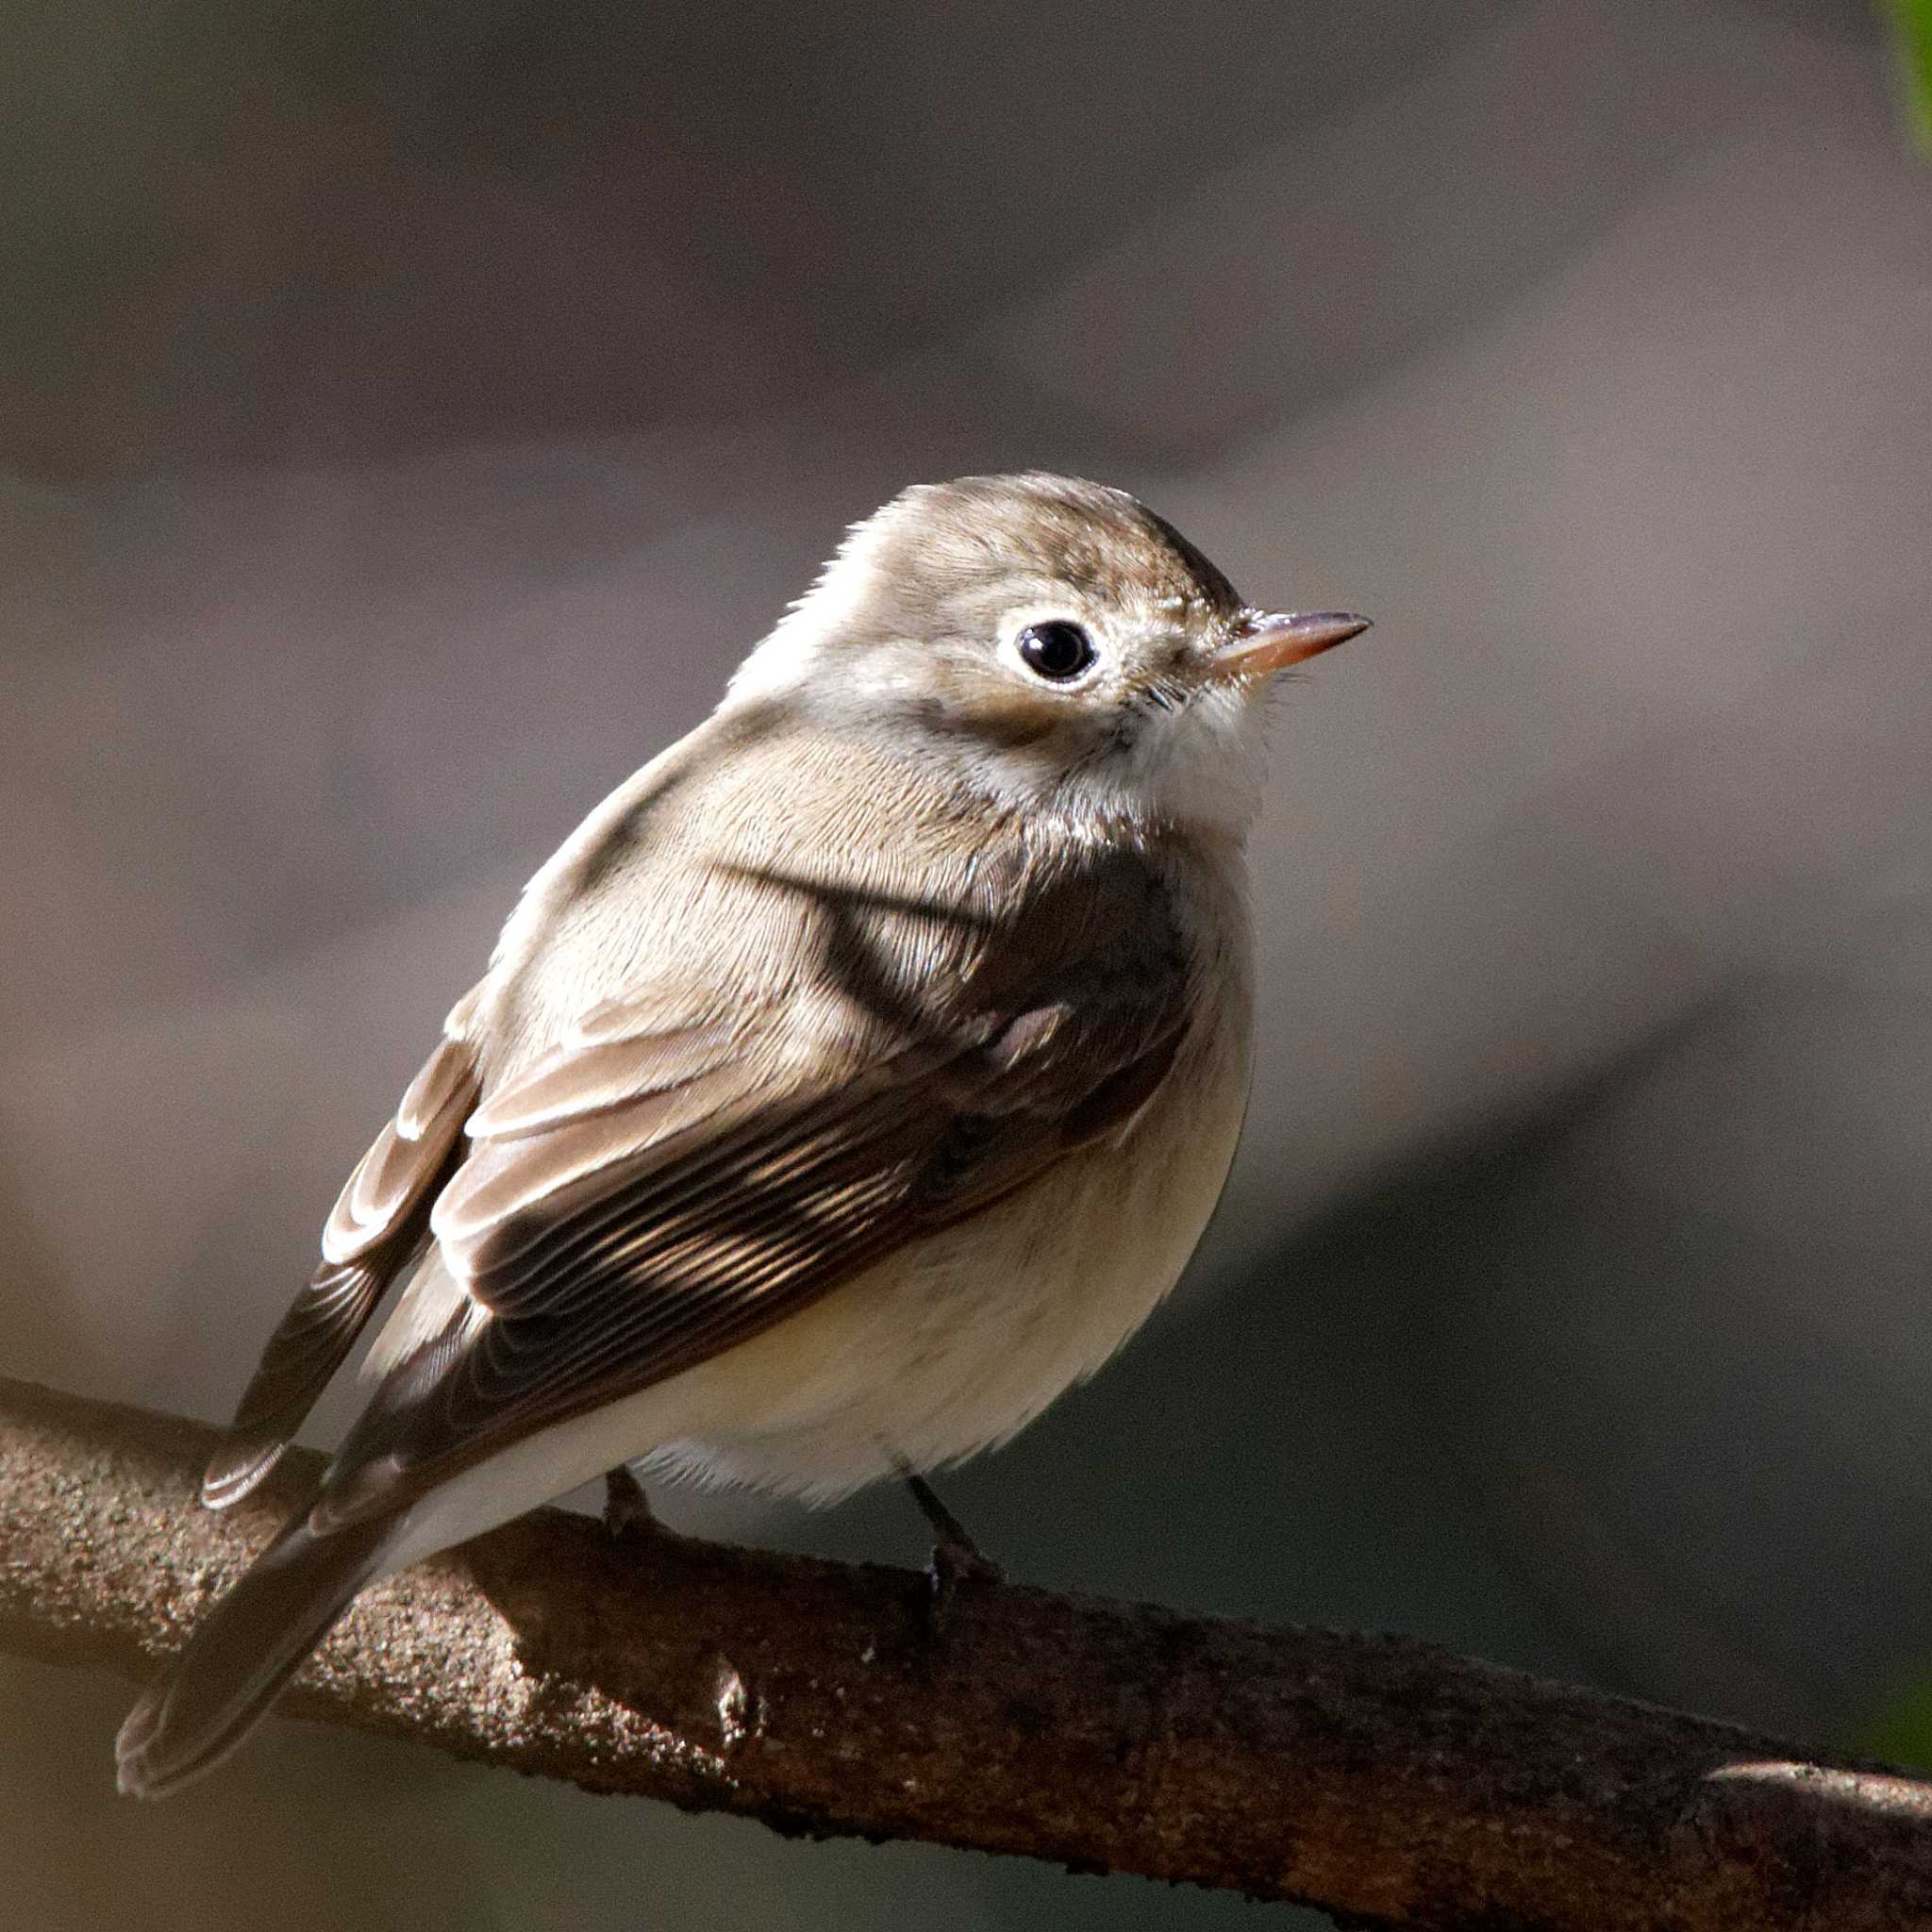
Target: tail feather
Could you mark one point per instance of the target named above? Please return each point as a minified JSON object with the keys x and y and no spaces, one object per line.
{"x":240,"y":1465}
{"x":244,"y":1651}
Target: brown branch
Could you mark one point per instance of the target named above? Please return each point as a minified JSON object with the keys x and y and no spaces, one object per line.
{"x":1387,"y":1781}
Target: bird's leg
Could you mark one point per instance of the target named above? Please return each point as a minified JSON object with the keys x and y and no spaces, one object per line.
{"x":627,"y":1512}
{"x":957,"y":1560}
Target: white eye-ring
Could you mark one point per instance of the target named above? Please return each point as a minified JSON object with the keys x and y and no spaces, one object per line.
{"x":1056,"y":649}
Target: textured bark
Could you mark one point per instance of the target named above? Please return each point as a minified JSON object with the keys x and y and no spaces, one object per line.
{"x":1387,"y":1781}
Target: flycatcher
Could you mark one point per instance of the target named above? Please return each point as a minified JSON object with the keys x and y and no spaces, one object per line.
{"x":856,"y":1076}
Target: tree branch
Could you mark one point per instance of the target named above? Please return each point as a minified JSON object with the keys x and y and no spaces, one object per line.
{"x":1385,"y":1780}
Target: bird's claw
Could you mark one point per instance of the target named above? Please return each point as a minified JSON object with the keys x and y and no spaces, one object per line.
{"x":627,"y":1512}
{"x":956,"y":1563}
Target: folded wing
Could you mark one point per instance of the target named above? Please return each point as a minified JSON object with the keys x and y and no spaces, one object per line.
{"x":637,"y":1204}
{"x":378,"y":1224}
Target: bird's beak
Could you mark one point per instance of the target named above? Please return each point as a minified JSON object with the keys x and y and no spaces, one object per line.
{"x":1265,"y":644}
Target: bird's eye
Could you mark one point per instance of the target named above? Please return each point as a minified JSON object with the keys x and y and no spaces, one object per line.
{"x":1058,"y":650}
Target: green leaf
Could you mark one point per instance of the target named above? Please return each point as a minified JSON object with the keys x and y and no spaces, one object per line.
{"x":1911,"y":21}
{"x":1900,"y":1730}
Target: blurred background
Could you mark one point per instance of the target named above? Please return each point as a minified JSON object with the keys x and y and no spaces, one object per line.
{"x":408,"y":414}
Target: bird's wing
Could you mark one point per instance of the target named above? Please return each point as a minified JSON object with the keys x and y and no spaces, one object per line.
{"x":643,"y":1200}
{"x":378,"y":1222}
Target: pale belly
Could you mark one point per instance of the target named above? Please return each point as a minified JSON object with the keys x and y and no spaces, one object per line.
{"x":955,"y":1343}
{"x":944,"y":1349}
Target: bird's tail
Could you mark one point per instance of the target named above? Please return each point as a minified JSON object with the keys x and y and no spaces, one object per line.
{"x":247,"y":1647}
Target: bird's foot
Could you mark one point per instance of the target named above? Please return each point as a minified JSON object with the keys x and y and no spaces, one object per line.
{"x":956,"y":1563}
{"x":627,"y":1512}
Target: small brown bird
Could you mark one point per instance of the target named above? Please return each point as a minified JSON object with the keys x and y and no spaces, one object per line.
{"x":858,"y":1076}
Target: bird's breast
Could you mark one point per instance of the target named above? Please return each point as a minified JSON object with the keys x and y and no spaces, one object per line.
{"x":963,"y":1337}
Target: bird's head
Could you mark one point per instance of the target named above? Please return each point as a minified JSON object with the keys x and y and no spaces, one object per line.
{"x":1068,"y":648}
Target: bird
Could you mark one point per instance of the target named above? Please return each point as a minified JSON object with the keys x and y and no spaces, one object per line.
{"x":854,"y":1078}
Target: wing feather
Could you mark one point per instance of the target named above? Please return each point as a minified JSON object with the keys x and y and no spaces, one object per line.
{"x":667,"y":1184}
{"x":380,"y":1220}
{"x":399,"y":1167}
{"x":577,"y":1082}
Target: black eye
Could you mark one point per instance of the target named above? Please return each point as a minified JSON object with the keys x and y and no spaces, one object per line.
{"x":1058,"y":650}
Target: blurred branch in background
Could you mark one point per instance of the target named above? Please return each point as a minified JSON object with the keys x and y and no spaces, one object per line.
{"x":1380,"y":1778}
{"x":1913,"y":24}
